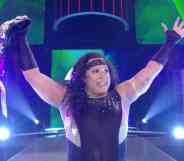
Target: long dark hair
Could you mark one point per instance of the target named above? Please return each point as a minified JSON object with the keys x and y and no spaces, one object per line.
{"x":76,"y":95}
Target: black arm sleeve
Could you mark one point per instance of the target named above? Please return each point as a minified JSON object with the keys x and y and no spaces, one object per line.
{"x":25,"y":55}
{"x":162,"y":55}
{"x":16,"y":40}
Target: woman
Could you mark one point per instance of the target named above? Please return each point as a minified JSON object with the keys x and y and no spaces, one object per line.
{"x":94,"y":108}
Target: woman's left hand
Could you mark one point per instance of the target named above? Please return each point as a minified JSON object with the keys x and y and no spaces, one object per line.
{"x":178,"y":27}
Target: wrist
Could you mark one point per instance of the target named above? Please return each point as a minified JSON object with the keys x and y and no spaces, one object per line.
{"x":162,"y":56}
{"x":172,"y":37}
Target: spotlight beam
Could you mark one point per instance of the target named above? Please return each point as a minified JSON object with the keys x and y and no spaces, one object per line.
{"x":160,"y":104}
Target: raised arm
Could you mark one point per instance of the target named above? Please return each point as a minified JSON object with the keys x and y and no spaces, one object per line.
{"x":131,"y":89}
{"x":49,"y":90}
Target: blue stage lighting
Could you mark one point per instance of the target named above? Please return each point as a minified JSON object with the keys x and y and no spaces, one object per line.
{"x":4,"y":133}
{"x":178,"y":132}
{"x":36,"y":121}
{"x":144,"y":121}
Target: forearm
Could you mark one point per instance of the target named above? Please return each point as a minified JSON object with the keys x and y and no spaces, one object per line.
{"x":26,"y":57}
{"x":140,"y":83}
{"x":163,"y":54}
{"x":15,"y":41}
{"x":15,"y":38}
{"x":144,"y":78}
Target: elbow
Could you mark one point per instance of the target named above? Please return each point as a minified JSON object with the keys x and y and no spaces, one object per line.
{"x":145,"y":86}
{"x":142,"y":87}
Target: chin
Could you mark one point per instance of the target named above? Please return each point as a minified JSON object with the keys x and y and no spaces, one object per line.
{"x":102,"y":93}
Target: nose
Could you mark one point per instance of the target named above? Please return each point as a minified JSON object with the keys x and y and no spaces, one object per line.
{"x":103,"y":74}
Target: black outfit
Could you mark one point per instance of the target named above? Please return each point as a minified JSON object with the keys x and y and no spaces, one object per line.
{"x":99,"y":131}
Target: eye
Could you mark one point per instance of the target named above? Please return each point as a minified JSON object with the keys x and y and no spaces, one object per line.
{"x":95,"y":71}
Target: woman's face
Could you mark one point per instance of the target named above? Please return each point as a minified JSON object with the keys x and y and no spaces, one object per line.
{"x":97,"y":80}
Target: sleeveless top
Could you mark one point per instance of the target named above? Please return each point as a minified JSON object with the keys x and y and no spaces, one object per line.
{"x":99,"y":131}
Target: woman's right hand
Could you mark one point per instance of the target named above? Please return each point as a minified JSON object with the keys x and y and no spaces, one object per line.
{"x":11,"y":28}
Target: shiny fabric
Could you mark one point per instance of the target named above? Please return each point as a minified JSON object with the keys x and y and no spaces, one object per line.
{"x":99,"y":131}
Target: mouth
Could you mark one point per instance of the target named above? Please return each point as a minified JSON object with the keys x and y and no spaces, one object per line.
{"x":102,"y":84}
